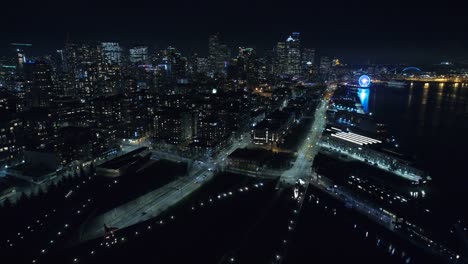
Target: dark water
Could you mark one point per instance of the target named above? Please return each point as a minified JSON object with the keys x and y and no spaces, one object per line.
{"x":431,"y":123}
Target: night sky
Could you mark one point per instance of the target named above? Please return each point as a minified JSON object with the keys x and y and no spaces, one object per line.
{"x":356,"y":31}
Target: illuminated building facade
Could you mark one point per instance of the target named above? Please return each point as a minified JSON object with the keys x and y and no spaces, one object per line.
{"x":112,"y":52}
{"x":139,"y":55}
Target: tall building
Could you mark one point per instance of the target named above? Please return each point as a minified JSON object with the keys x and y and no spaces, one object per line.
{"x":293,"y":45}
{"x":281,"y":58}
{"x":112,"y":52}
{"x":60,"y":61}
{"x":210,"y":129}
{"x":308,"y":55}
{"x":175,"y":63}
{"x":12,"y":143}
{"x":218,"y":54}
{"x":139,"y":55}
{"x":82,"y":62}
{"x":173,"y":127}
{"x":39,"y":77}
{"x":203,"y":65}
{"x":325,"y":65}
{"x":21,"y":50}
{"x":248,"y":64}
{"x":90,"y":72}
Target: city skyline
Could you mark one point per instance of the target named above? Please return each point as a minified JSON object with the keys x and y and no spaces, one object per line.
{"x":356,"y":32}
{"x":279,"y":132}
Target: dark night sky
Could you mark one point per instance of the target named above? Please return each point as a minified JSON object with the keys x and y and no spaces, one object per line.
{"x":383,"y":31}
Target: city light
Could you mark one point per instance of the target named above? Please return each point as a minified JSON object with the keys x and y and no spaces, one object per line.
{"x":112,"y":149}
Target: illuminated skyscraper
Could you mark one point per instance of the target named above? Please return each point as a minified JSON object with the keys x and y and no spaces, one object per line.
{"x":281,"y":58}
{"x":139,"y":55}
{"x":203,"y":65}
{"x":84,"y":63}
{"x":293,"y":45}
{"x":21,"y":50}
{"x":218,"y":54}
{"x":308,"y":55}
{"x":325,"y":65}
{"x":112,"y":52}
{"x":248,"y":65}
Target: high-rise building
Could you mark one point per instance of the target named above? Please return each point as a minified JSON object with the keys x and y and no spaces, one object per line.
{"x":218,"y":54}
{"x":281,"y":58}
{"x":203,"y":65}
{"x":210,"y":129}
{"x":21,"y":50}
{"x":82,"y":62}
{"x":248,"y":65}
{"x":90,"y":72}
{"x":38,"y":75}
{"x":325,"y":65}
{"x":60,"y":61}
{"x":139,"y":55}
{"x":293,"y":45}
{"x":173,"y":127}
{"x":41,"y":127}
{"x":12,"y":143}
{"x":176,"y":64}
{"x":112,"y":52}
{"x":308,"y":55}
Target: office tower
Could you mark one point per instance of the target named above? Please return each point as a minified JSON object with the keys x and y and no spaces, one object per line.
{"x":325,"y":65}
{"x":38,"y":76}
{"x":176,"y":63}
{"x":248,"y":66}
{"x":139,"y":55}
{"x":112,"y":52}
{"x":293,"y":45}
{"x":89,"y":72}
{"x":281,"y":58}
{"x":203,"y":65}
{"x":59,"y":59}
{"x":218,"y":54}
{"x":308,"y":55}
{"x":21,"y":51}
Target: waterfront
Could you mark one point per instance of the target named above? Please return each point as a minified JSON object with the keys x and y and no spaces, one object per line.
{"x":430,"y":121}
{"x":237,"y":219}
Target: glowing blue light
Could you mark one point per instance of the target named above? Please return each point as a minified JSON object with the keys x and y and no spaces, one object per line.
{"x":364,"y":81}
{"x":364,"y":97}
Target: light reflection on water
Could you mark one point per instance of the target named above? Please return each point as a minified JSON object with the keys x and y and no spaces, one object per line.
{"x":431,"y":121}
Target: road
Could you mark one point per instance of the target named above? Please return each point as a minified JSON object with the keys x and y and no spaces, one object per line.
{"x":146,"y":206}
{"x":157,"y":201}
{"x":309,"y":147}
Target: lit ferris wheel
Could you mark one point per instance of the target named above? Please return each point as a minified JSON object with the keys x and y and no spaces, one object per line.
{"x":364,"y":81}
